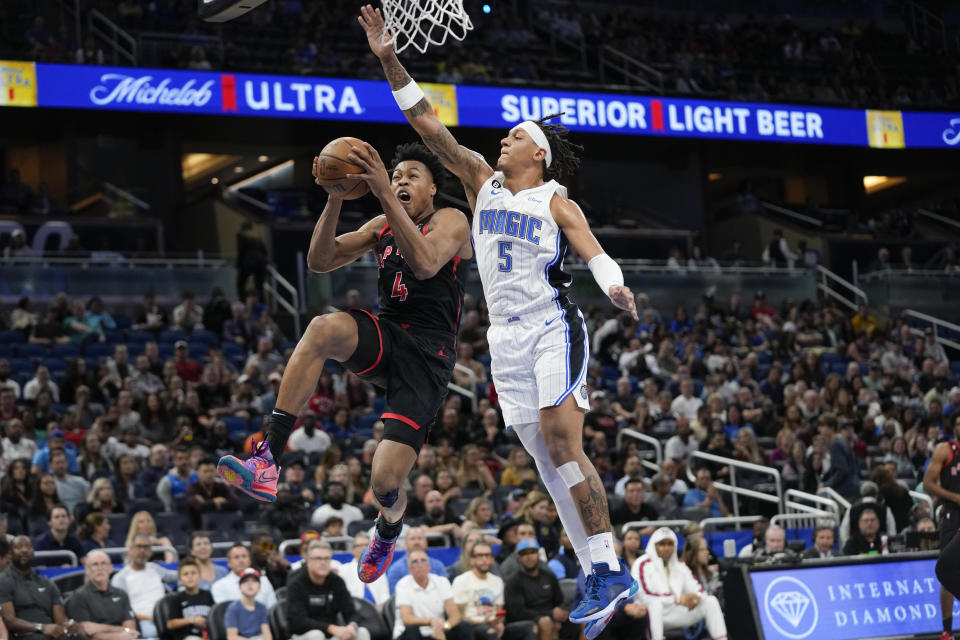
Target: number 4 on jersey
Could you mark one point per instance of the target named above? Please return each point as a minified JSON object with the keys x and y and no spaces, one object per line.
{"x":399,"y":289}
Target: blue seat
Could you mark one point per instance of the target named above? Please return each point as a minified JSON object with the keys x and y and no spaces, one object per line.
{"x":165,"y":349}
{"x":11,"y":337}
{"x":333,"y":366}
{"x":99,"y":350}
{"x":231,"y":349}
{"x":235,"y":425}
{"x":864,"y":368}
{"x":172,"y":335}
{"x":58,"y":407}
{"x":28,"y":350}
{"x":57,"y":366}
{"x":92,"y":362}
{"x":238,"y":361}
{"x":484,"y":359}
{"x":204,"y":336}
{"x":113,"y":335}
{"x":6,"y":351}
{"x":379,"y":403}
{"x":198,"y":350}
{"x":365,"y":422}
{"x":66,"y":350}
{"x":139,"y":336}
{"x":173,"y":524}
{"x":256,"y":423}
{"x":830,"y":356}
{"x":763,"y":357}
{"x":610,"y":372}
{"x":839,"y":367}
{"x":21,"y":364}
{"x":123,"y":322}
{"x":135,"y":349}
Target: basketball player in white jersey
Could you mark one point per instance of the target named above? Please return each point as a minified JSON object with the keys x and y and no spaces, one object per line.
{"x":522,"y":225}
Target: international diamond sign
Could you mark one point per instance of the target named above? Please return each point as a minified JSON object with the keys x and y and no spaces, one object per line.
{"x":859,"y":600}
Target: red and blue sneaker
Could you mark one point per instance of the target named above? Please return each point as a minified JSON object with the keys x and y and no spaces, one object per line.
{"x":606,"y":592}
{"x":376,"y":558}
{"x":256,"y":476}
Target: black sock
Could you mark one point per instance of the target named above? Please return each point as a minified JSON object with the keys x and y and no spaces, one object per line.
{"x":388,"y":530}
{"x":948,"y":623}
{"x":278,"y":432}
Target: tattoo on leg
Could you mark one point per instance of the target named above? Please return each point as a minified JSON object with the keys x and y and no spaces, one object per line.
{"x":593,"y":507}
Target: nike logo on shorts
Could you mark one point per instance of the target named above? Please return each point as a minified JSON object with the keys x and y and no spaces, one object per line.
{"x":551,"y":321}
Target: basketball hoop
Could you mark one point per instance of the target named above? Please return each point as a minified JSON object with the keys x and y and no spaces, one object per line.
{"x":421,"y":23}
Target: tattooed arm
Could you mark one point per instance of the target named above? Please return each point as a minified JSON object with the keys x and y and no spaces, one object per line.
{"x":464,"y":163}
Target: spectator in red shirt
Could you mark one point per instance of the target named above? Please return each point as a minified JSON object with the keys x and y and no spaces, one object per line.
{"x":189,"y":370}
{"x":761,"y":311}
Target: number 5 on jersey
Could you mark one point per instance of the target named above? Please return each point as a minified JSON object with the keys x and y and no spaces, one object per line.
{"x":399,"y":289}
{"x":506,"y":260}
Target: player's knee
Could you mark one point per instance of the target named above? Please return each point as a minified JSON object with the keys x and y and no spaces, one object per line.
{"x":561,"y":451}
{"x":387,"y":499}
{"x":319,"y":332}
{"x":386,"y":484}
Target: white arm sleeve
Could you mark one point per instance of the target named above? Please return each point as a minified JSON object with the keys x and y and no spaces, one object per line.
{"x":606,"y":272}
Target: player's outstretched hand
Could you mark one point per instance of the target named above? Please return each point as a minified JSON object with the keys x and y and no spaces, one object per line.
{"x":380,"y":41}
{"x":374,"y":171}
{"x":622,"y":297}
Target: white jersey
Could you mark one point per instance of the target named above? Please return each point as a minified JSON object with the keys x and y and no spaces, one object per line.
{"x":519,"y":248}
{"x":537,"y":336}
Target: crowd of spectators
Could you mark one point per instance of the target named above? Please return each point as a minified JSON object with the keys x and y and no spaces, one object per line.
{"x":750,"y":56}
{"x":112,"y":423}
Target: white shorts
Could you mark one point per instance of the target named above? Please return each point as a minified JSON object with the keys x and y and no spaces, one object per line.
{"x":537,"y":360}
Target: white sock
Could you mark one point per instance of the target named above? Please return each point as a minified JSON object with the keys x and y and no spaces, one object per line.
{"x":602,"y":550}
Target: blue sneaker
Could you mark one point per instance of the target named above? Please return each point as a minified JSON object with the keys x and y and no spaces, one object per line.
{"x":376,"y":558}
{"x":607,"y":591}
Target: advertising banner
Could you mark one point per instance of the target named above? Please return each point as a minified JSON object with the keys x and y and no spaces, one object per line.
{"x":18,"y":84}
{"x":245,"y":94}
{"x":864,"y":600}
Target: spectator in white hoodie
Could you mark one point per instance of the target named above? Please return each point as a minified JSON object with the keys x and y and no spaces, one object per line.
{"x":674,"y":597}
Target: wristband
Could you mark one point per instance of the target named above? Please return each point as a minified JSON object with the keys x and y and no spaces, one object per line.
{"x":606,"y":272}
{"x":408,"y":95}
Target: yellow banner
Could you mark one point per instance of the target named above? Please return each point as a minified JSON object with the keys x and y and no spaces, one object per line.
{"x":18,"y":84}
{"x":885,"y":129}
{"x":443,"y":98}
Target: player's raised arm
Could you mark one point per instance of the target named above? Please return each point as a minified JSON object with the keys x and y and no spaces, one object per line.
{"x":606,"y":272}
{"x":464,"y":163}
{"x":327,"y":251}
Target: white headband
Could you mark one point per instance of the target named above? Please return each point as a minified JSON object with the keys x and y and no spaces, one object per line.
{"x":539,"y":138}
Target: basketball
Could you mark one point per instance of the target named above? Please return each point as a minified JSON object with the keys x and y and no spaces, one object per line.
{"x":332,"y":166}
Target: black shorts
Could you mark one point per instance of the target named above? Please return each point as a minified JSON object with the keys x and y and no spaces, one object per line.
{"x":412,"y":366}
{"x":949,"y":524}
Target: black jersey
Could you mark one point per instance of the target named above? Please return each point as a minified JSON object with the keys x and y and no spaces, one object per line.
{"x":950,"y":473}
{"x":433,"y":304}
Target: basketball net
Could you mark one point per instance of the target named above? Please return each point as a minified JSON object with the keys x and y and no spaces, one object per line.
{"x":421,"y":23}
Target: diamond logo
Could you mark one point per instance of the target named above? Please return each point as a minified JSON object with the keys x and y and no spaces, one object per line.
{"x":791,"y":605}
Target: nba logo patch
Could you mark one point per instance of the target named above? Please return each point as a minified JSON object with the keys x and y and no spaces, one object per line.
{"x":583,"y":391}
{"x":496,"y":184}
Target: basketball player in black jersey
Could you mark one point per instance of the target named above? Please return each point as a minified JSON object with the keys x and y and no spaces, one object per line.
{"x":942,"y":481}
{"x":409,"y":350}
